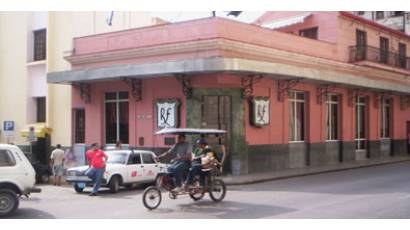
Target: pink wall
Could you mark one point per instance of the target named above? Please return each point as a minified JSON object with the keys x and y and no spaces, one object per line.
{"x":139,"y":126}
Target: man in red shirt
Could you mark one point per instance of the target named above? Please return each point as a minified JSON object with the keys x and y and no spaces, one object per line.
{"x":96,"y":160}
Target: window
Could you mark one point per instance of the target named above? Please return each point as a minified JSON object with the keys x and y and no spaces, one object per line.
{"x":79,"y":125}
{"x":309,"y":33}
{"x":332,"y":117}
{"x":6,"y":158}
{"x":360,"y":137}
{"x":384,"y":50}
{"x":379,"y":15}
{"x":397,"y":13}
{"x":41,"y":109}
{"x":134,"y":159}
{"x":385,"y":117}
{"x":116,"y":117}
{"x":402,"y":55}
{"x":361,"y":13}
{"x":117,"y":158}
{"x":361,"y":43}
{"x":39,"y":45}
{"x":148,"y":159}
{"x":296,"y":116}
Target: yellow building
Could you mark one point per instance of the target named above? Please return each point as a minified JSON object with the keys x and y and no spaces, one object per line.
{"x":32,"y":44}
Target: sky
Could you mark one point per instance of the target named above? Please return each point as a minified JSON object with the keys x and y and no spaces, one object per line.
{"x":175,"y":16}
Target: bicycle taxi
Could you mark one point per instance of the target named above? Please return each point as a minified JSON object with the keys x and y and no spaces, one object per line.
{"x":211,"y":183}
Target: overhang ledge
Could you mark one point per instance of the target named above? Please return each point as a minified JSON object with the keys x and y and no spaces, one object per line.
{"x":220,"y":64}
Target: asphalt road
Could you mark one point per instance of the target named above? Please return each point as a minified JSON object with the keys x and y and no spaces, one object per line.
{"x":374,"y":192}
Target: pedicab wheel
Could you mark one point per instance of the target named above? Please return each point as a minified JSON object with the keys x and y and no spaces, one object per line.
{"x":218,"y":190}
{"x":151,"y":197}
{"x":197,"y":195}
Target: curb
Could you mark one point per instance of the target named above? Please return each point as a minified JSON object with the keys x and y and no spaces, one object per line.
{"x":228,"y":180}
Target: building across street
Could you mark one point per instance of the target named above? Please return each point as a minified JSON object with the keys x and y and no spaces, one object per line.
{"x":293,"y":89}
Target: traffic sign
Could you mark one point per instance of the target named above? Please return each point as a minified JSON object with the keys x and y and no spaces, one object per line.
{"x":8,"y":128}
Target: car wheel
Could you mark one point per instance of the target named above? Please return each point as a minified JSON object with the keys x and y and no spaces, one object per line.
{"x":9,"y":202}
{"x":78,"y":189}
{"x":114,"y":184}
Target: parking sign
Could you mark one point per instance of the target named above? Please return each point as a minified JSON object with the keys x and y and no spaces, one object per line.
{"x":8,"y":128}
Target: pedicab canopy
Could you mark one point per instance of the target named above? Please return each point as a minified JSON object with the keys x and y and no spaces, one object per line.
{"x":190,"y":131}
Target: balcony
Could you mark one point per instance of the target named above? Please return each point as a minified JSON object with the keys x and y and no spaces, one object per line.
{"x":376,"y":55}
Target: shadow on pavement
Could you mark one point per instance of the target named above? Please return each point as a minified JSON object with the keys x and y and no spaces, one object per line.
{"x":30,"y":213}
{"x":232,"y":209}
{"x":372,"y":180}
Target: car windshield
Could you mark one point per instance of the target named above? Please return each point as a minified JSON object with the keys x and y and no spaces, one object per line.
{"x":116,"y":158}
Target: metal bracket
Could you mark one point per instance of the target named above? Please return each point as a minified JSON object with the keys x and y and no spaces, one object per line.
{"x":351,"y":96}
{"x":247,"y":85}
{"x":85,"y":91}
{"x":378,"y":96}
{"x":322,"y":91}
{"x":285,"y":85}
{"x":186,"y":84}
{"x":135,"y":86}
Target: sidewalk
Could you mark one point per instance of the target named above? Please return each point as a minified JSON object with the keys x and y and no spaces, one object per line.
{"x":288,"y":173}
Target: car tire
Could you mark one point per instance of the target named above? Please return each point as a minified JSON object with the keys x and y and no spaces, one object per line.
{"x":9,"y":202}
{"x":114,"y":184}
{"x":78,"y":189}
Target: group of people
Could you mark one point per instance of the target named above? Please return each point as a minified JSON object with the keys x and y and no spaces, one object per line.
{"x":185,"y":160}
{"x":189,"y":160}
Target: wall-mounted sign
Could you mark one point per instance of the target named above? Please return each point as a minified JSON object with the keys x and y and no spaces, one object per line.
{"x":167,"y":113}
{"x":260,"y":111}
{"x":8,"y":128}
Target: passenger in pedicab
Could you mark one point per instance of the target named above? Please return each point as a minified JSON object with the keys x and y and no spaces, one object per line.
{"x":202,"y":159}
{"x":181,"y":163}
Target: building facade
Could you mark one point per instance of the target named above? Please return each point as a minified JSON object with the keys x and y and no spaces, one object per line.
{"x":398,"y":20}
{"x":293,"y":89}
{"x":32,"y":44}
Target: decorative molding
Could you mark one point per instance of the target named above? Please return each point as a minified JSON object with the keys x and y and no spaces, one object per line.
{"x":186,"y":84}
{"x":247,"y":85}
{"x":322,"y":91}
{"x":85,"y":91}
{"x":284,"y":86}
{"x":135,"y":87}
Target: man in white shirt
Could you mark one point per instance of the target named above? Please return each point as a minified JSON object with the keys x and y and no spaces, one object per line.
{"x":57,"y":164}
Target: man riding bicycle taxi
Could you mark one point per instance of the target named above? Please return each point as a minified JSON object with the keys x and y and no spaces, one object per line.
{"x":181,"y":163}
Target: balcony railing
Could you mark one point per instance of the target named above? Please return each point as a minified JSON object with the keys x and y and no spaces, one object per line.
{"x":373,"y":54}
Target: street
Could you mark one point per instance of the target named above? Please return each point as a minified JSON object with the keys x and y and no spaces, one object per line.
{"x":373,"y":192}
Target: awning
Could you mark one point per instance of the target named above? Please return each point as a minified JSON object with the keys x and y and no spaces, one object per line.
{"x":40,"y":130}
{"x":286,"y":22}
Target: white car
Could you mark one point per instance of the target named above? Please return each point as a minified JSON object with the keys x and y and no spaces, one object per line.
{"x":124,"y":168}
{"x":17,"y":177}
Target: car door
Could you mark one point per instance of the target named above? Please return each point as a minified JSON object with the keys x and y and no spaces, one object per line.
{"x":150,"y":166}
{"x":134,"y":168}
